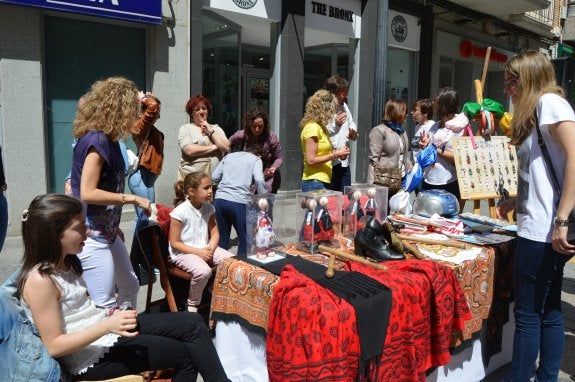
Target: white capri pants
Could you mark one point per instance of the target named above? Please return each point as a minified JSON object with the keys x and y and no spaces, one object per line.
{"x":105,"y":267}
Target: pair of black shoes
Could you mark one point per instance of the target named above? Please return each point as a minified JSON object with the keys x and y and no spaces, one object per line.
{"x":375,"y":241}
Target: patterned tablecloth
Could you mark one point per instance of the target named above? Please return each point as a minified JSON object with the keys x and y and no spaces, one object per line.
{"x":243,"y":292}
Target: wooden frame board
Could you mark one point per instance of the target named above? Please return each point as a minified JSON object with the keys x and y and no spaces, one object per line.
{"x":481,"y":169}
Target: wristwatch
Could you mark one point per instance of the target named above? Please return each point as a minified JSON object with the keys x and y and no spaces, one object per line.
{"x":561,"y":222}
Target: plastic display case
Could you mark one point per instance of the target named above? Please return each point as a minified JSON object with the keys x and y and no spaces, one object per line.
{"x":266,"y":217}
{"x":318,"y":219}
{"x":362,"y":202}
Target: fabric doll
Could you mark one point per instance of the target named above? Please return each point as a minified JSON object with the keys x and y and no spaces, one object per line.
{"x":356,"y":212}
{"x":371,"y":205}
{"x":265,"y":236}
{"x":309,"y":227}
{"x":324,"y":222}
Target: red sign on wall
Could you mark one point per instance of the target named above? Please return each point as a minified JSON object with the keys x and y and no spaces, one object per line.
{"x":467,"y":50}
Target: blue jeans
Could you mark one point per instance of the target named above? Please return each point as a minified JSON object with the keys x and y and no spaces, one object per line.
{"x":230,"y":214}
{"x":3,"y":219}
{"x":340,"y":177}
{"x":141,"y":183}
{"x":537,"y":279}
{"x":312,"y":185}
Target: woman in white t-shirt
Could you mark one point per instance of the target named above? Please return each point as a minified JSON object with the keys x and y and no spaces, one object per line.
{"x":422,"y":114}
{"x":543,"y":226}
{"x":442,"y":175}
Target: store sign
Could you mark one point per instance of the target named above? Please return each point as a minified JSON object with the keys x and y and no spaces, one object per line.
{"x":335,"y":16}
{"x":145,"y":11}
{"x":404,"y":30}
{"x":331,"y":11}
{"x":266,"y":9}
{"x":245,"y":4}
{"x":467,"y":49}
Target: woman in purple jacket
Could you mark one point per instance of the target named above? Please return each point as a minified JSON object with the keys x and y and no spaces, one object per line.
{"x":257,"y":132}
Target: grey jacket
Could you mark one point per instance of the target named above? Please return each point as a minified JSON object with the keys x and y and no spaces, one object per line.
{"x":384,"y":150}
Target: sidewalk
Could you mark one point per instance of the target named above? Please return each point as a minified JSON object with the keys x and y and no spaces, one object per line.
{"x":11,"y":256}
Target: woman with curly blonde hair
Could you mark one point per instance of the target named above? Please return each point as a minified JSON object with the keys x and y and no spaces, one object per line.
{"x":316,"y":146}
{"x":107,"y":115}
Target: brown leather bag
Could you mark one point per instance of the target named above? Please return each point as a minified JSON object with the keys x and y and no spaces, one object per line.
{"x":150,"y":158}
{"x":389,"y":177}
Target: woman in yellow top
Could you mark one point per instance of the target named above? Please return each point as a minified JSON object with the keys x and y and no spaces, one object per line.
{"x":316,"y":146}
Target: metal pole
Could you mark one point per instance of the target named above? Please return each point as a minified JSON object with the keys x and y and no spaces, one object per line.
{"x":380,"y":83}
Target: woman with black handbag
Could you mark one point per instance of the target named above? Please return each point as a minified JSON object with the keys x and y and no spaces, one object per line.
{"x":389,"y":158}
{"x":543,"y":129}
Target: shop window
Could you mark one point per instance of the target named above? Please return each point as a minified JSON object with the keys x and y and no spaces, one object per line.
{"x":221,"y":63}
{"x":77,"y":54}
{"x":401,"y":64}
{"x":321,"y":62}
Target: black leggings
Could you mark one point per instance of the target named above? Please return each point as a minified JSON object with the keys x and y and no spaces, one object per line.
{"x":179,"y":341}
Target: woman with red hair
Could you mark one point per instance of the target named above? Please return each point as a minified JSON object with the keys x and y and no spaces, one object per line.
{"x":202,"y":143}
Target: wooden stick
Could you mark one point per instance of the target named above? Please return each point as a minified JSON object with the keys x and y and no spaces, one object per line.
{"x":432,"y":241}
{"x":413,"y":249}
{"x":330,"y":264}
{"x":349,"y":256}
{"x":478,"y":91}
{"x":484,"y":73}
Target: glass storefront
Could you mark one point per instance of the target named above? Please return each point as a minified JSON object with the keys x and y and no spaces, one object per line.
{"x":320,"y":62}
{"x":73,"y":61}
{"x":401,"y":79}
{"x":221,"y":54}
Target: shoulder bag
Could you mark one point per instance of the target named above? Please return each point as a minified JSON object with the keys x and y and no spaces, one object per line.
{"x":389,"y":177}
{"x":136,"y":165}
{"x":549,"y":165}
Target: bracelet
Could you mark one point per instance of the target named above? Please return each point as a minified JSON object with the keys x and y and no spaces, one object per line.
{"x":123,"y":199}
{"x":561,"y":222}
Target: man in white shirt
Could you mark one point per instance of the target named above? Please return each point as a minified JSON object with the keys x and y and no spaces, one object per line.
{"x":341,"y":129}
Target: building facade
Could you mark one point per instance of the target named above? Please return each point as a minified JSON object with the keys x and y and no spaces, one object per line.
{"x":48,"y":59}
{"x":241,"y":53}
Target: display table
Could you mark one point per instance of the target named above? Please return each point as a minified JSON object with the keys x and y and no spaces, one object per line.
{"x":243,"y":293}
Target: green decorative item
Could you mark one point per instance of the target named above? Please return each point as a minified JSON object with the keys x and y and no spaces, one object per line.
{"x":471,"y":109}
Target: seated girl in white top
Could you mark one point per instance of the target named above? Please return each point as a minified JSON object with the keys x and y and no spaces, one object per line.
{"x":194,"y":235}
{"x":95,"y":343}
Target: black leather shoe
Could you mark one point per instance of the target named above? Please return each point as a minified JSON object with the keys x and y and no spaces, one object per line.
{"x":370,"y":241}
